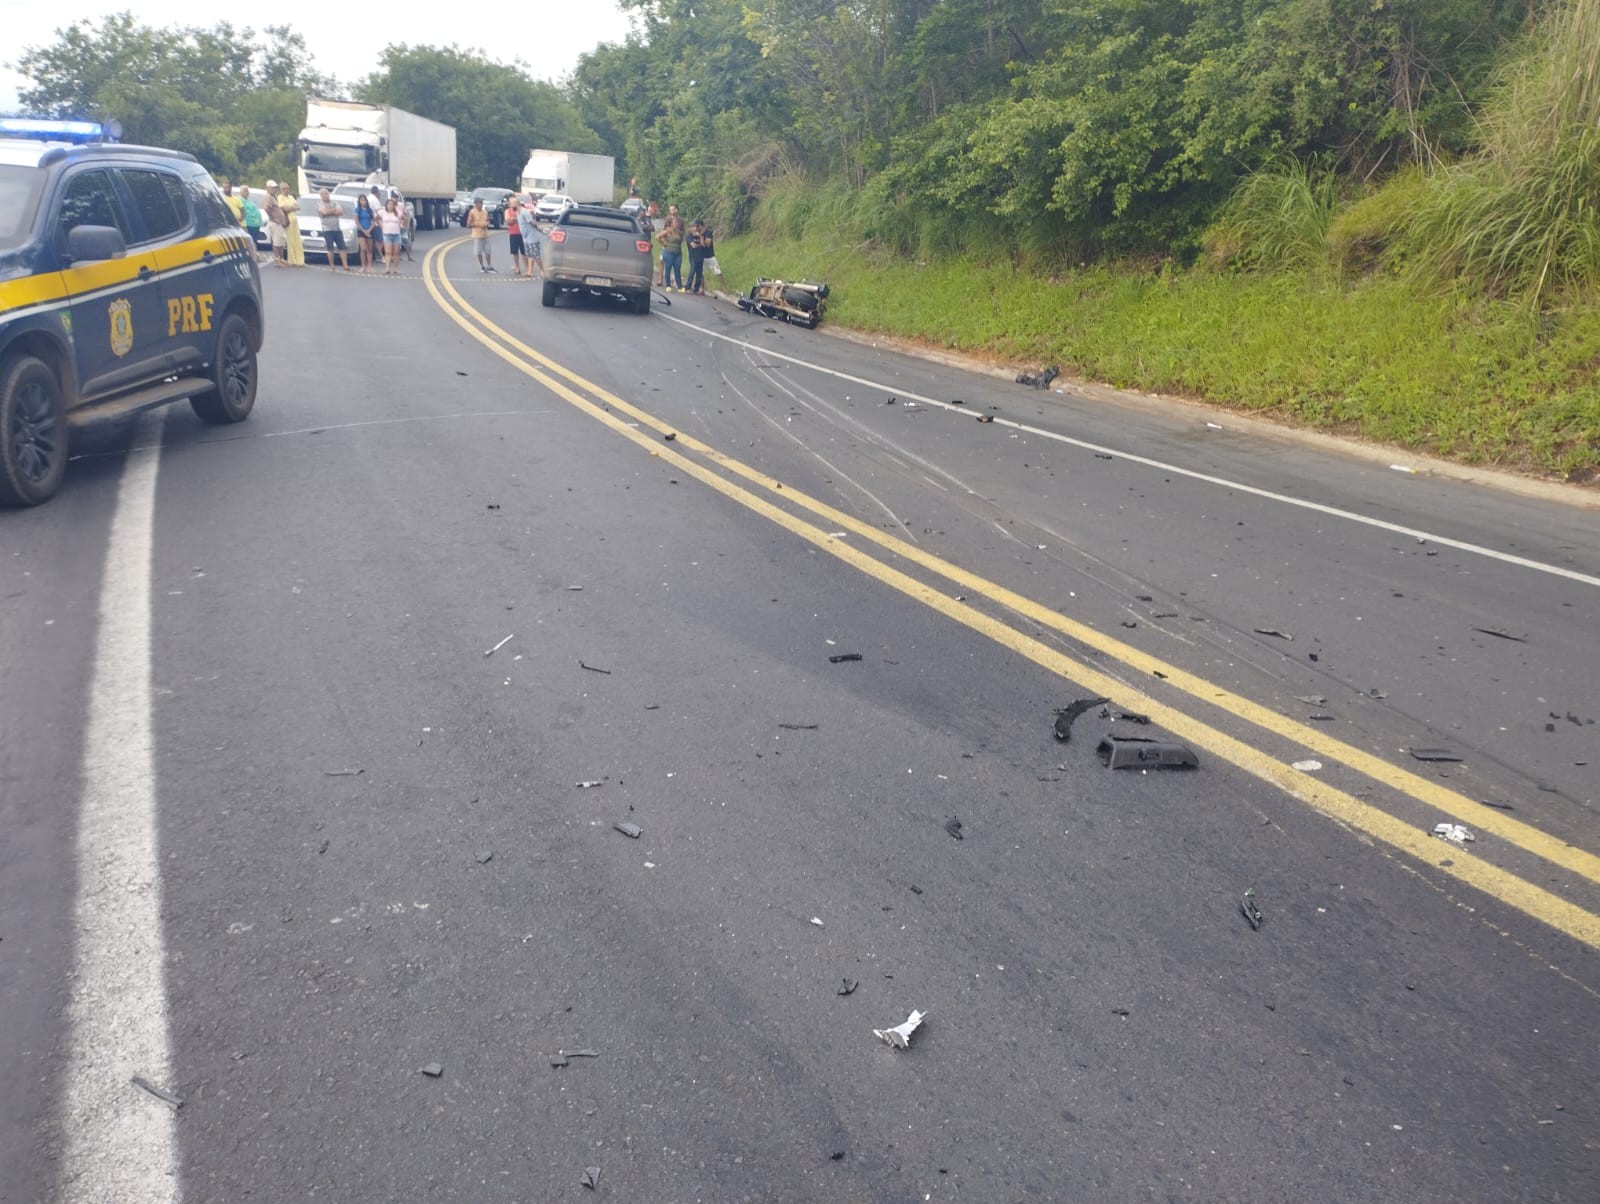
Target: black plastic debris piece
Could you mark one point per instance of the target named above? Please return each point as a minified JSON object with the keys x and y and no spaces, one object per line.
{"x":1273,"y":631}
{"x":956,"y":401}
{"x":915,"y":889}
{"x":580,"y":1053}
{"x":1498,"y":806}
{"x":594,"y":668}
{"x":1571,"y":718}
{"x":1136,"y":752}
{"x":798,"y":727}
{"x":985,"y":417}
{"x":836,"y":1156}
{"x":1376,"y":693}
{"x":1129,"y":623}
{"x":1071,"y":711}
{"x":1312,"y":700}
{"x":891,"y":401}
{"x":1159,"y":674}
{"x":484,"y":856}
{"x":953,"y":826}
{"x":433,"y":1070}
{"x":844,"y":656}
{"x":847,"y":986}
{"x":1133,"y":717}
{"x":1120,"y":1012}
{"x":670,"y":436}
{"x":1247,"y":905}
{"x":591,"y":1177}
{"x":559,"y":1063}
{"x":1502,"y":635}
{"x":1165,"y":614}
{"x":342,"y":773}
{"x":1039,"y":380}
{"x":1320,"y":717}
{"x":459,"y":372}
{"x":1104,"y":456}
{"x":1549,"y":727}
{"x":631,"y":831}
{"x":1143,"y":598}
{"x":323,"y":848}
{"x":589,"y":785}
{"x":1435,"y":754}
{"x":1314,"y":657}
{"x":166,"y":1097}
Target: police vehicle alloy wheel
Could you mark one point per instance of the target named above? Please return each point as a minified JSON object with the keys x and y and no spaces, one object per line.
{"x":33,"y":433}
{"x":233,"y":391}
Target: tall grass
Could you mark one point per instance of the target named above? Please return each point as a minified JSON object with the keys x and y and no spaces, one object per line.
{"x":1277,"y":217}
{"x":1520,"y":218}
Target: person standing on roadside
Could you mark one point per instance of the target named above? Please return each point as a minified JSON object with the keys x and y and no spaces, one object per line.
{"x":391,"y":220}
{"x":277,"y":226}
{"x":671,"y":240}
{"x":697,"y":256}
{"x":708,"y":256}
{"x":405,"y":224}
{"x":253,"y":219}
{"x":512,"y":218}
{"x":478,"y":227}
{"x":530,"y":237}
{"x":330,"y":211}
{"x":367,"y":231}
{"x":234,"y":204}
{"x":296,"y":254}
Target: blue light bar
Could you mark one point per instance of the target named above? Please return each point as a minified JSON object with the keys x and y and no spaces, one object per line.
{"x":49,"y":129}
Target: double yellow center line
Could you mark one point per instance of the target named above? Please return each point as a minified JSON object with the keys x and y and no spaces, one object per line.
{"x":724,"y":474}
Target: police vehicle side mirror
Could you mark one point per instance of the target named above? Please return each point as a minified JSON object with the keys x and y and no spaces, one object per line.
{"x":90,"y":243}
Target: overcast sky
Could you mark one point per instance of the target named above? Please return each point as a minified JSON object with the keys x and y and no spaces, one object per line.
{"x":548,"y":38}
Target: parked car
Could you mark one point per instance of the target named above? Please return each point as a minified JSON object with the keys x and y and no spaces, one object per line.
{"x":494,"y":204}
{"x":127,"y":284}
{"x":551,"y":206}
{"x":633,"y":205}
{"x":598,"y":250}
{"x":460,"y":205}
{"x":310,"y":222}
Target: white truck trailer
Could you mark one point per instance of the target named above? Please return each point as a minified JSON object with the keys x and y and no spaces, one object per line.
{"x":346,"y":141}
{"x":587,"y":179}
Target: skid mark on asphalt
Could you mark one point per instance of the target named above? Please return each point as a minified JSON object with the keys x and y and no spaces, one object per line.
{"x":119,"y":1141}
{"x":1416,"y":842}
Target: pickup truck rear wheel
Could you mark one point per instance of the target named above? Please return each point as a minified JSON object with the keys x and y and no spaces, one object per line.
{"x":548,"y":297}
{"x":232,"y":394}
{"x":641,"y":303}
{"x":33,"y":432}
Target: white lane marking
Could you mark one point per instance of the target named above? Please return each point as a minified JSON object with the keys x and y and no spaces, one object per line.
{"x":1445,"y":541}
{"x":119,"y":1140}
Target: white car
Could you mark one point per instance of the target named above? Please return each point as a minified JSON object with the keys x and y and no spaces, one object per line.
{"x":551,"y":206}
{"x":310,"y":222}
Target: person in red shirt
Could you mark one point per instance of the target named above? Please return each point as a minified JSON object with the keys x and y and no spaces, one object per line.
{"x":512,"y":218}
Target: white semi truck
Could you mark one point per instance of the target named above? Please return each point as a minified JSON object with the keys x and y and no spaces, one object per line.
{"x":348,"y":142}
{"x":587,"y":179}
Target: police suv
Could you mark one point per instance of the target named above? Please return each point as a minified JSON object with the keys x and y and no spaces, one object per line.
{"x":125,"y":284}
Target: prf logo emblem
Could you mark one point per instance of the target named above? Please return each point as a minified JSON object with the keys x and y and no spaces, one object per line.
{"x":121,"y":326}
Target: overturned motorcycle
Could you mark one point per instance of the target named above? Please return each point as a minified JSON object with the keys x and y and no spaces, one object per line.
{"x":801,"y":304}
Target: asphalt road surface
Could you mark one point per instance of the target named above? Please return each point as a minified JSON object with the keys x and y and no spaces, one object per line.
{"x":318,"y":731}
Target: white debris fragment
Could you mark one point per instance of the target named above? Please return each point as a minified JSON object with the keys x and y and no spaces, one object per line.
{"x":1307,"y":766}
{"x":817,"y":920}
{"x":899,"y":1037}
{"x":1454,"y":833}
{"x":500,"y":645}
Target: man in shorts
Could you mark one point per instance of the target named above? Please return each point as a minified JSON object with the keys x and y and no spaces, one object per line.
{"x":478,"y":227}
{"x":277,"y":226}
{"x":530,"y":237}
{"x":330,"y":211}
{"x":512,"y":218}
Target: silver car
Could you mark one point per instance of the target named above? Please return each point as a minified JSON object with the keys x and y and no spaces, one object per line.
{"x":598,"y":250}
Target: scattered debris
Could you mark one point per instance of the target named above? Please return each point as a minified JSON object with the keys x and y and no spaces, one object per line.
{"x":1039,"y":380}
{"x":594,"y":668}
{"x":500,"y":645}
{"x":1434,"y":754}
{"x":800,"y":304}
{"x":559,"y":1063}
{"x":1120,"y":1012}
{"x":1497,"y":806}
{"x":485,"y":856}
{"x":579,"y":1053}
{"x":1307,"y":766}
{"x":890,"y":402}
{"x":1454,"y":833}
{"x":817,"y":920}
{"x":836,"y":1156}
{"x":915,"y":889}
{"x":1404,"y":468}
{"x":1502,"y":635}
{"x":1251,"y":912}
{"x":899,"y":1037}
{"x":589,"y":785}
{"x":166,"y":1097}
{"x":956,"y":401}
{"x":1314,"y":658}
{"x":591,"y":1177}
{"x":670,"y":436}
{"x":433,"y":1070}
{"x":847,"y":986}
{"x":1133,"y":717}
{"x":631,"y":831}
{"x":1273,"y":631}
{"x":1129,"y":623}
{"x":953,"y":826}
{"x":844,"y":656}
{"x":1104,"y":456}
{"x":342,"y":773}
{"x":798,"y":727}
{"x":574,"y":589}
{"x":323,"y":848}
{"x":1165,"y":614}
{"x":1065,"y":715}
{"x":985,"y":417}
{"x":1312,"y":700}
{"x":1136,"y":752}
{"x":1320,"y":718}
{"x":1143,"y":598}
{"x":1215,"y":426}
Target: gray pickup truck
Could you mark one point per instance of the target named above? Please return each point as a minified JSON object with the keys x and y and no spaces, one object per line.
{"x":598,"y":250}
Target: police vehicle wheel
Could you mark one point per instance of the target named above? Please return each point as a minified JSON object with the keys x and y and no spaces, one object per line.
{"x":33,"y":433}
{"x":233,"y":375}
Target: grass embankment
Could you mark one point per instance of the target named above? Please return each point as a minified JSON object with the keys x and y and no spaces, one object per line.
{"x":1475,"y":381}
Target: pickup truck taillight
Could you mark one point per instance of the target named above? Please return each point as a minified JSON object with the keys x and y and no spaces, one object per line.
{"x":558,"y":236}
{"x":642,"y":245}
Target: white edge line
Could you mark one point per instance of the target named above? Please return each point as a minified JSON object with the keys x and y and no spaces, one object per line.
{"x":119,"y":1141}
{"x":1318,"y":507}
